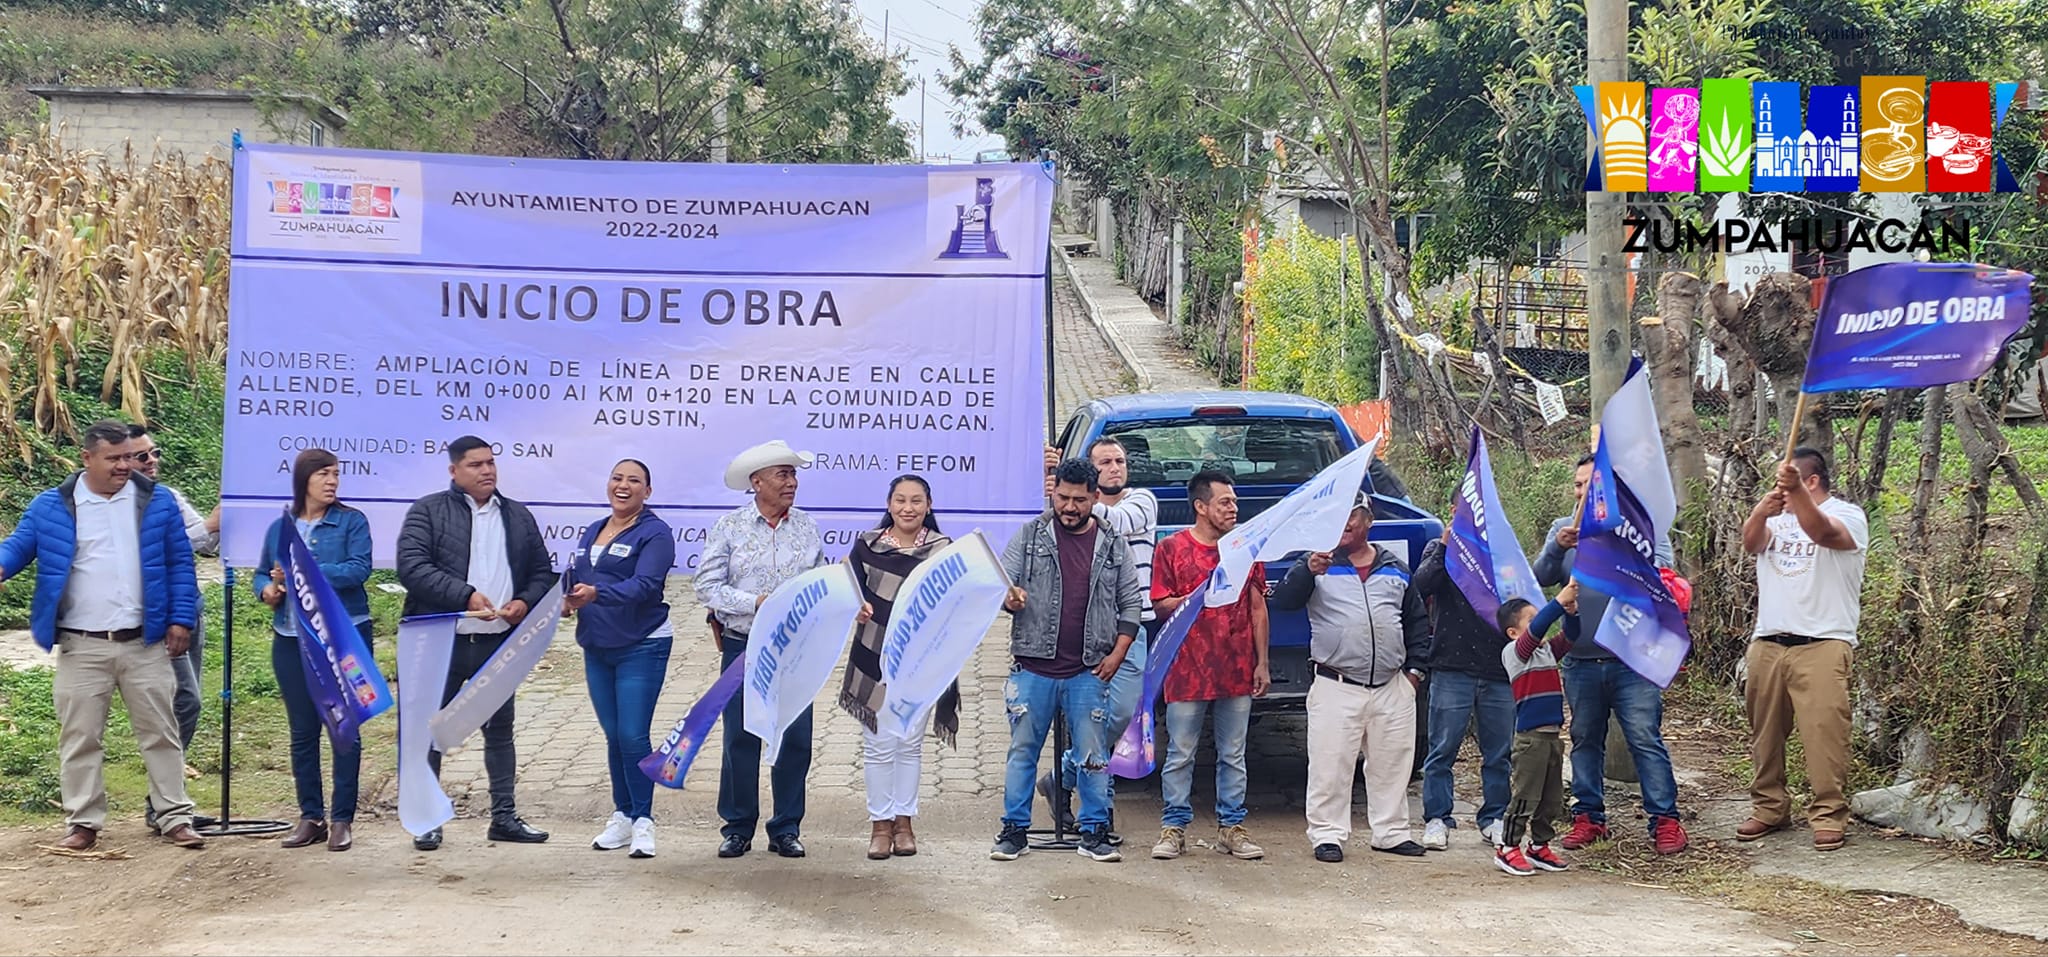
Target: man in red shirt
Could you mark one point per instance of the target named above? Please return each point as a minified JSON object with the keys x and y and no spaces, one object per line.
{"x":1220,"y":669}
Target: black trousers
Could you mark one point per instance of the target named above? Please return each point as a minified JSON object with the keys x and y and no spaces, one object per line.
{"x":739,"y":777}
{"x":501,"y":761}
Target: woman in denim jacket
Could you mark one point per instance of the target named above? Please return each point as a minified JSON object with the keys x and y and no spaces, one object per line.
{"x":339,"y":538}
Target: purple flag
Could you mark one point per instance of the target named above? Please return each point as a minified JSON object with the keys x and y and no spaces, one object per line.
{"x":341,"y":674}
{"x":1914,"y":325}
{"x":670,"y":762}
{"x":1617,"y":555}
{"x":1484,"y":558}
{"x":1133,"y":754}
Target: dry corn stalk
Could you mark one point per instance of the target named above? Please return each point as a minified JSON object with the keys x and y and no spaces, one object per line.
{"x":126,"y":255}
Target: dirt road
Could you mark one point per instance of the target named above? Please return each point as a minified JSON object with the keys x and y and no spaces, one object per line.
{"x":244,"y":896}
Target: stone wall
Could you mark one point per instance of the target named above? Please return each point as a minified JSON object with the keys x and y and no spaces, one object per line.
{"x":193,"y":126}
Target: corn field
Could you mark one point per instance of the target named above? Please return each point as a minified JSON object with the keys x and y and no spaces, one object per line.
{"x":104,"y":255}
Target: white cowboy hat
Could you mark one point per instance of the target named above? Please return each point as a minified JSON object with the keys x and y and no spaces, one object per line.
{"x":767,"y":455}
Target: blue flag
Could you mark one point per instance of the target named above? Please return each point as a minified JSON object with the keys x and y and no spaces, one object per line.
{"x":1133,"y":755}
{"x":1914,"y":325}
{"x":671,"y":761}
{"x":1617,"y":556}
{"x":1484,"y":558}
{"x":341,"y":674}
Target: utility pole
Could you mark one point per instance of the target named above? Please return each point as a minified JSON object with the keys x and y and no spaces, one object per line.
{"x":1607,"y":307}
{"x":921,"y":101}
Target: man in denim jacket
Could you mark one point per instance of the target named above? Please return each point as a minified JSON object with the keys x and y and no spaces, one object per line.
{"x":1076,"y":602}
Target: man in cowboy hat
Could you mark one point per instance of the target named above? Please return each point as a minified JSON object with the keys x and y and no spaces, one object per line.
{"x":749,"y":552}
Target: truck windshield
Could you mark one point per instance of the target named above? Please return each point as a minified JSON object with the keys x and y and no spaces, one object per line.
{"x":1254,"y":451}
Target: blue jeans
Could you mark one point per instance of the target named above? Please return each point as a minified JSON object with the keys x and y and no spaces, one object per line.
{"x":1123,"y":703}
{"x":303,"y":716}
{"x":624,"y":683}
{"x":1031,"y":700}
{"x":1593,"y":688}
{"x":1233,"y":718}
{"x":1454,"y":697}
{"x":739,"y":774}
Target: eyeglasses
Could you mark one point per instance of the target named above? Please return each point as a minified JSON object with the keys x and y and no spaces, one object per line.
{"x":153,"y":455}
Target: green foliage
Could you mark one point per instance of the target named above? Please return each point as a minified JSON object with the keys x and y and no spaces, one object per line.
{"x":634,"y":80}
{"x":28,"y":740}
{"x":1310,"y":326}
{"x":1149,"y":105}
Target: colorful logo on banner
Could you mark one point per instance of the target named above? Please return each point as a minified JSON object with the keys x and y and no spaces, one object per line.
{"x":316,"y":198}
{"x":1887,"y":134}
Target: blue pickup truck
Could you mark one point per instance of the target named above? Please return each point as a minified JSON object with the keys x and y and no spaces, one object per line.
{"x":1271,"y":443}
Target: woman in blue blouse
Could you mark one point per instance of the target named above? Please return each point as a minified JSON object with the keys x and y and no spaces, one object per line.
{"x":621,"y":566}
{"x":339,"y":538}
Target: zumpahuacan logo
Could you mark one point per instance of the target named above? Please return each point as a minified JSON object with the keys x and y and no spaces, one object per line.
{"x":1890,"y":134}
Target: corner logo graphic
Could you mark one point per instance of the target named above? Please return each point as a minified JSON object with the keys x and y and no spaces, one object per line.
{"x":974,"y":226}
{"x":319,"y":203}
{"x":1887,"y":134}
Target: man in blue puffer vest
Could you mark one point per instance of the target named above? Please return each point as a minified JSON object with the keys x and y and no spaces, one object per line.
{"x":117,"y":594}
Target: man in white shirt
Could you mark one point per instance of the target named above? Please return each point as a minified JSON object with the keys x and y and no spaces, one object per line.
{"x":468,"y":548}
{"x":116,"y":594}
{"x":1809,"y":548}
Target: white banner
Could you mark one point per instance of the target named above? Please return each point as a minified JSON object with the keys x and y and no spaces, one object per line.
{"x":1310,"y":519}
{"x":424,"y":647}
{"x":499,"y":678}
{"x":942,"y":612}
{"x":889,"y":318}
{"x":799,"y":635}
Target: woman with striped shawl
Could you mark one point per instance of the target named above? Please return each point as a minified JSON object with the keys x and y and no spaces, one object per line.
{"x":882,"y":558}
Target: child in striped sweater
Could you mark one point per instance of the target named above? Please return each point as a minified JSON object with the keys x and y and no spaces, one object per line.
{"x":1536,"y":796}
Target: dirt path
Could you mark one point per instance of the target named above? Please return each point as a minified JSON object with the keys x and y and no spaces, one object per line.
{"x":249,"y":897}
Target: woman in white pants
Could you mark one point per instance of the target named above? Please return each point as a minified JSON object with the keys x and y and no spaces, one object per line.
{"x":882,"y":558}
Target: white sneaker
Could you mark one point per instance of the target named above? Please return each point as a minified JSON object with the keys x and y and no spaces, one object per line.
{"x":1494,"y":833}
{"x":617,"y":832}
{"x":1436,"y":836}
{"x":643,"y":837}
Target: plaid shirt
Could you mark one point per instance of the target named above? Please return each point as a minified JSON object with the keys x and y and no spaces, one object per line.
{"x":745,"y":558}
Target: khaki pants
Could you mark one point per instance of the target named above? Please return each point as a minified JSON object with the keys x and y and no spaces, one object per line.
{"x":1804,"y":688}
{"x":88,"y":672}
{"x":1536,"y":798}
{"x":1345,"y":720}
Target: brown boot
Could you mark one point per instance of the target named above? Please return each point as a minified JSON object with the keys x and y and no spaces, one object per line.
{"x":309,"y":830}
{"x":81,"y":838}
{"x":184,"y":836}
{"x":881,"y":841}
{"x":906,"y":839}
{"x":340,"y":837}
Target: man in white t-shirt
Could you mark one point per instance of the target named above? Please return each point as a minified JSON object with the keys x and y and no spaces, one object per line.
{"x":1809,"y":548}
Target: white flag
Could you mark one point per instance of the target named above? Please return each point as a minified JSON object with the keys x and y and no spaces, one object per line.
{"x":499,"y":678}
{"x":799,"y":635}
{"x":1635,"y":442}
{"x":424,"y":647}
{"x":1311,"y":518}
{"x":942,"y":612}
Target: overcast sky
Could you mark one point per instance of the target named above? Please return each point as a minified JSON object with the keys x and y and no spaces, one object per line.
{"x":922,"y":30}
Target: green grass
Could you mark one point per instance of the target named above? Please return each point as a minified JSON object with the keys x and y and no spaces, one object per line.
{"x":260,"y":750}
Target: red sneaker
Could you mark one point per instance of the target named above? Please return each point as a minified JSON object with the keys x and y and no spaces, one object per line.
{"x":1543,"y":857}
{"x":1511,"y":860}
{"x":1666,"y":835}
{"x":1584,"y":833}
